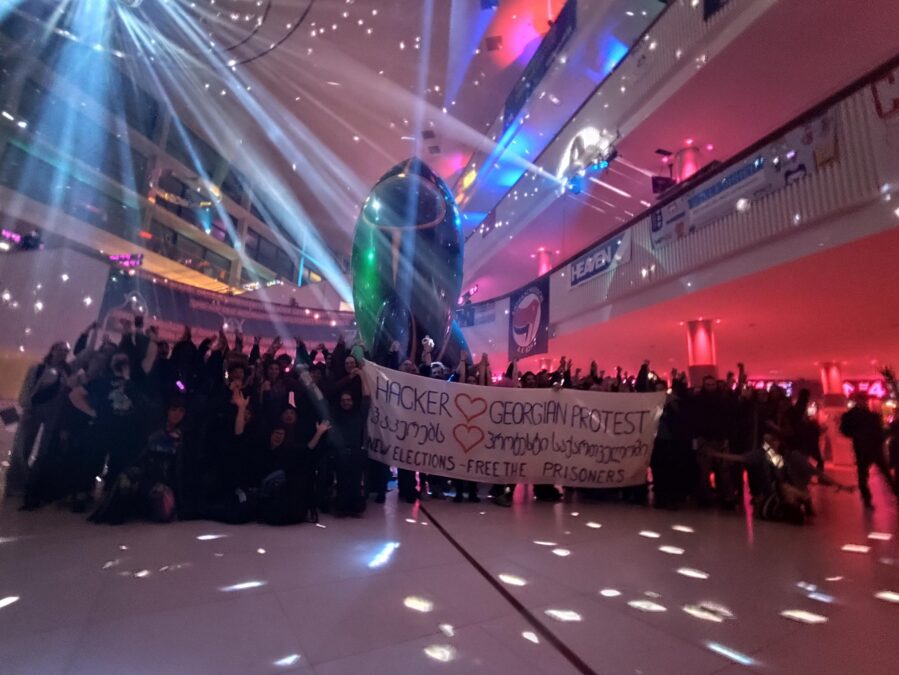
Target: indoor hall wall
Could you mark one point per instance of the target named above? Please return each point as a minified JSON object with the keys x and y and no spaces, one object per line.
{"x":26,"y":333}
{"x":650,"y":82}
{"x":839,"y":203}
{"x":849,"y":185}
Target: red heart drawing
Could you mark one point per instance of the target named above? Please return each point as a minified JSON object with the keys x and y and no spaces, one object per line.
{"x":468,"y":437}
{"x":470,"y":407}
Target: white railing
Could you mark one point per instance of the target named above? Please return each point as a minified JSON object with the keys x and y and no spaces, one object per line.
{"x":849,"y":182}
{"x":683,"y":41}
{"x":864,"y":173}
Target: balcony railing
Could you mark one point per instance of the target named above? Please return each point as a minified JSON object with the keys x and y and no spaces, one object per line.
{"x":860,"y":173}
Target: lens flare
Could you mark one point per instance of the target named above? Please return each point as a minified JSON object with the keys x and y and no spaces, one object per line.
{"x":418,"y":604}
{"x":802,"y":616}
{"x":564,"y":615}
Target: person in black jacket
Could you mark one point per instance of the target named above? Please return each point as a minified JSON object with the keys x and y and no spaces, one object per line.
{"x":348,"y":440}
{"x":286,"y":493}
{"x":865,"y":428}
{"x":713,"y":417}
{"x":40,"y":398}
{"x":148,"y":487}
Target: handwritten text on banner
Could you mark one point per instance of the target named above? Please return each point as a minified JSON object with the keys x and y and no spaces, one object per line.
{"x":499,"y":435}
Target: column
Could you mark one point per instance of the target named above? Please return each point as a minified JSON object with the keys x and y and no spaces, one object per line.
{"x":832,"y":383}
{"x":544,"y":264}
{"x":701,"y":354}
{"x":832,"y":409}
{"x":687,"y":161}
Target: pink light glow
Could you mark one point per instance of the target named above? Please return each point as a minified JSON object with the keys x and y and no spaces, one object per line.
{"x":544,"y":264}
{"x":701,"y":343}
{"x":522,"y":23}
{"x":831,"y":378}
{"x":12,"y":236}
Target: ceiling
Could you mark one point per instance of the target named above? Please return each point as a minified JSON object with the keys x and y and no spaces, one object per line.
{"x":832,"y":306}
{"x":315,"y":103}
{"x":314,"y":100}
{"x":353,"y":91}
{"x":795,"y":55}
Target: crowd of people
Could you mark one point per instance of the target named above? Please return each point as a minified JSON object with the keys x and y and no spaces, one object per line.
{"x":215,"y":430}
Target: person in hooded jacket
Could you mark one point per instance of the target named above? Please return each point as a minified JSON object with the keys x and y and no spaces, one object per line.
{"x":348,"y":441}
{"x":40,"y":398}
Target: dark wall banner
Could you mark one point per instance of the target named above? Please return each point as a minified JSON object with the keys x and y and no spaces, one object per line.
{"x":500,"y":435}
{"x":529,"y":320}
{"x":172,"y":306}
{"x":539,"y":65}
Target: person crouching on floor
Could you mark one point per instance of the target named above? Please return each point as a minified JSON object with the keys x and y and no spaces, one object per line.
{"x":147,"y":487}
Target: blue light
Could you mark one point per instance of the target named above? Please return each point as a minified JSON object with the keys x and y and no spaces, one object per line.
{"x":575,"y":184}
{"x":383,"y":556}
{"x":731,"y":654}
{"x":612,"y":51}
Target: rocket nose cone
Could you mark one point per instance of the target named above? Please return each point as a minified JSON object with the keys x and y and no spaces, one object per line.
{"x":413,"y":166}
{"x":410,"y":195}
{"x":417,"y":166}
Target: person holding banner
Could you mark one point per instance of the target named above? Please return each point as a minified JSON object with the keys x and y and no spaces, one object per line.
{"x":543,"y":492}
{"x":406,"y":478}
{"x":501,"y":492}
{"x":436,"y":484}
{"x":468,"y":373}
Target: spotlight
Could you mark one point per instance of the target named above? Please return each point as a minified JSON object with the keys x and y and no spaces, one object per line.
{"x":575,"y":184}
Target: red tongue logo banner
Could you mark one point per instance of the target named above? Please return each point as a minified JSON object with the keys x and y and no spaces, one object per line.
{"x":529,"y":320}
{"x":470,"y":407}
{"x":468,"y":437}
{"x":525,"y":319}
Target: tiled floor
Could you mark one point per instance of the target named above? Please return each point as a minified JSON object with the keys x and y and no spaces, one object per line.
{"x":389,"y":593}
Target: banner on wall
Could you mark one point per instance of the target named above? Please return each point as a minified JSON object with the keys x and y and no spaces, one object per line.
{"x":529,"y":320}
{"x":712,"y":7}
{"x":541,"y":62}
{"x":604,"y":257}
{"x":885,"y":96}
{"x":171,"y":307}
{"x":797,"y":154}
{"x":500,"y":435}
{"x":476,"y":314}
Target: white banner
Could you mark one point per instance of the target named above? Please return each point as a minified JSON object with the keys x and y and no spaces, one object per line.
{"x":798,"y":153}
{"x":500,"y":435}
{"x":604,"y":257}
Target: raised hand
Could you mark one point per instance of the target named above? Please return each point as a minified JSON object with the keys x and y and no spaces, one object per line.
{"x":238,"y":399}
